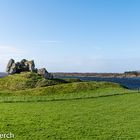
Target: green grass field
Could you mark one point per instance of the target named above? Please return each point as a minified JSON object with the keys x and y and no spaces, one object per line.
{"x":111,"y":117}
{"x":70,"y":111}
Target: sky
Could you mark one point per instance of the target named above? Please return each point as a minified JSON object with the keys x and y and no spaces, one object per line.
{"x":71,"y":35}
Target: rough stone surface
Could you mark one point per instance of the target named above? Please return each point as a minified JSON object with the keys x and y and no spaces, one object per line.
{"x":9,"y":65}
{"x":26,"y":66}
{"x":18,"y":67}
{"x":43,"y":72}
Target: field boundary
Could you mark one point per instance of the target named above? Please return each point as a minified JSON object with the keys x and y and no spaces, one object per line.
{"x":41,"y":99}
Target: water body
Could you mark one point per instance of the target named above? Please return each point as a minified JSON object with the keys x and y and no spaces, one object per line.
{"x":131,"y":83}
{"x":2,"y":74}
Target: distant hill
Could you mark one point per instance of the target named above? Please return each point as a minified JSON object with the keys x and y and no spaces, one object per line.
{"x":102,"y":75}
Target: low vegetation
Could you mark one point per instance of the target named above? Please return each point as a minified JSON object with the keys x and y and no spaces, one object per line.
{"x":33,"y":84}
{"x":26,"y":80}
{"x":103,"y":118}
{"x":35,"y":108}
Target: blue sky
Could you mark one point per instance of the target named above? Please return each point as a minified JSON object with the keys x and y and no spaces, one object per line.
{"x":71,"y":35}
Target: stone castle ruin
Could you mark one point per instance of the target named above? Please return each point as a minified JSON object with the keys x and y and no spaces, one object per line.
{"x":26,"y":66}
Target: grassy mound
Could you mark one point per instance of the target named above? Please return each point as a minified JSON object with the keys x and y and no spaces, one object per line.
{"x":33,"y":84}
{"x":26,"y":80}
{"x":75,"y":87}
{"x":69,"y":91}
{"x":65,"y":88}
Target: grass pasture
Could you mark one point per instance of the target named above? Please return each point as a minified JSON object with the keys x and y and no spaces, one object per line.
{"x":103,"y":118}
{"x":71,"y":110}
